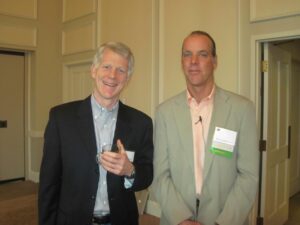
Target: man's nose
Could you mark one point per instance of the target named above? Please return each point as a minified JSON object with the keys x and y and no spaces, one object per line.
{"x":194,"y":59}
{"x":113,"y":73}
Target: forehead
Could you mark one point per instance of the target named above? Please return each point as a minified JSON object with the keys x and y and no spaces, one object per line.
{"x":197,"y":42}
{"x":109,"y":55}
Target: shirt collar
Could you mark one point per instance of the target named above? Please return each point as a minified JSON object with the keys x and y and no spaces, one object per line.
{"x":191,"y":99}
{"x":98,"y":109}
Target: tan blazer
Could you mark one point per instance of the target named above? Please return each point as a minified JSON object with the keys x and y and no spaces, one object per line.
{"x":230,"y":184}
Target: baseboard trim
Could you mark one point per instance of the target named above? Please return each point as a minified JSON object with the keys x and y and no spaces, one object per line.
{"x":34,"y":176}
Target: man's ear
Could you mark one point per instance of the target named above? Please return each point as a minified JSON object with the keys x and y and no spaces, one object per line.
{"x":215,"y":61}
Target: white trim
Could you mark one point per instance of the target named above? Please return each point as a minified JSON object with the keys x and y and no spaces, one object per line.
{"x":255,"y":18}
{"x":155,"y":57}
{"x":34,"y":176}
{"x":28,"y":74}
{"x":35,"y":134}
{"x":98,"y":23}
{"x":161,"y":52}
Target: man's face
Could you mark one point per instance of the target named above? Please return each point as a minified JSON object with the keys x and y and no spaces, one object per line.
{"x":110,"y":77}
{"x":197,"y":61}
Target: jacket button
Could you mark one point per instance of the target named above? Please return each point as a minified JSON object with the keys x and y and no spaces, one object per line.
{"x":93,"y":197}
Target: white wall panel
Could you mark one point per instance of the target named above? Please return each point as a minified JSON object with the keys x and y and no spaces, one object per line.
{"x":73,"y":9}
{"x":18,"y":35}
{"x":79,"y":39}
{"x":77,"y":81}
{"x":270,"y":9}
{"x":24,"y":8}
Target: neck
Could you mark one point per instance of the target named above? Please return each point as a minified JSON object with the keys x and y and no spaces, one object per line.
{"x":106,"y":103}
{"x":200,"y":92}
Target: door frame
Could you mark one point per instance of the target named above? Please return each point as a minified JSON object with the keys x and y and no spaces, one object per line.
{"x":255,"y":81}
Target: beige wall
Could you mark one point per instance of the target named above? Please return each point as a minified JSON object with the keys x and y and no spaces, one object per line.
{"x":178,"y":19}
{"x":133,"y":22}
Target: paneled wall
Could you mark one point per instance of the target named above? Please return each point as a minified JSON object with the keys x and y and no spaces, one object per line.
{"x":79,"y":35}
{"x":17,"y":26}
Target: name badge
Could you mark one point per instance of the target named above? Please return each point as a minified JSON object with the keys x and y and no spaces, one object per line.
{"x":223,"y":142}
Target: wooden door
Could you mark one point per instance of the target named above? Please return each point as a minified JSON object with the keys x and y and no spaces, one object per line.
{"x":275,"y":198}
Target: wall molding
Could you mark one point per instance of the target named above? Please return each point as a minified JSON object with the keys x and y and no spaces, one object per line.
{"x":27,"y":9}
{"x":32,"y":175}
{"x":287,"y":8}
{"x":77,"y":82}
{"x":78,"y":39}
{"x":18,"y":35}
{"x":76,"y":9}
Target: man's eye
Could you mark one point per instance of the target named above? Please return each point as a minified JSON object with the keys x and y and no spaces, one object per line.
{"x":106,"y":67}
{"x":186,"y":54}
{"x":121,"y":70}
{"x":203,"y":54}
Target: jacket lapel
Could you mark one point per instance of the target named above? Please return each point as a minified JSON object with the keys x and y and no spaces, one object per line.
{"x":184,"y":125}
{"x":123,"y":126}
{"x":86,"y":127}
{"x":219,"y":117}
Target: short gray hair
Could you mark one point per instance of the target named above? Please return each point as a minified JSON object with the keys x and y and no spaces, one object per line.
{"x":116,"y":47}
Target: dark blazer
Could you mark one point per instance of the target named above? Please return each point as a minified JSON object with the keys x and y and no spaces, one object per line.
{"x":69,"y":172}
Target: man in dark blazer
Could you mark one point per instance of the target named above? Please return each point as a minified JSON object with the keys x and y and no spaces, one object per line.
{"x":79,"y":185}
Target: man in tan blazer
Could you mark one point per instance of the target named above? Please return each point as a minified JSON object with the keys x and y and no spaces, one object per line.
{"x":206,"y":150}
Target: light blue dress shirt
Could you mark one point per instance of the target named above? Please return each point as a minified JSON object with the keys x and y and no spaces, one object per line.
{"x":105,"y":125}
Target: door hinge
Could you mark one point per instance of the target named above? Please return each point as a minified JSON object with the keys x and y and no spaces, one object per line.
{"x":259,"y":221}
{"x":262,"y":145}
{"x":264,"y":66}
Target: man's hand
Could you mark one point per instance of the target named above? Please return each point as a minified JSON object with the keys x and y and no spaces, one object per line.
{"x":117,"y":163}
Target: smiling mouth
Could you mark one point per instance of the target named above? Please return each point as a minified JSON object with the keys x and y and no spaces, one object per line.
{"x":109,"y":84}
